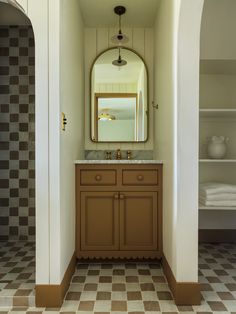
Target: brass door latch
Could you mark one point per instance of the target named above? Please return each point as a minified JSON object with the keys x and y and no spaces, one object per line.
{"x":63,"y":121}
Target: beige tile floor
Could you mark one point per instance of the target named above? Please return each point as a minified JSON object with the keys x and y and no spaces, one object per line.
{"x":141,"y":288}
{"x":17,"y":273}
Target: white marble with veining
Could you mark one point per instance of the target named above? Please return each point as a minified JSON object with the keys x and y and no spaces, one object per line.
{"x":122,"y":161}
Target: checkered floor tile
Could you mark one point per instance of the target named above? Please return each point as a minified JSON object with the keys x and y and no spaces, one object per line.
{"x":17,"y":273}
{"x":140,"y":288}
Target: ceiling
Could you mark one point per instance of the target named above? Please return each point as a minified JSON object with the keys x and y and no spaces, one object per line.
{"x":99,"y":13}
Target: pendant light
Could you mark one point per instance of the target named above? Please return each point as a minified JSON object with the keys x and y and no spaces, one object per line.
{"x":106,"y":117}
{"x":120,"y":38}
{"x":119,"y":62}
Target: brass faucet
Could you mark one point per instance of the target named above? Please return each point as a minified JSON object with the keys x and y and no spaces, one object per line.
{"x":118,"y":154}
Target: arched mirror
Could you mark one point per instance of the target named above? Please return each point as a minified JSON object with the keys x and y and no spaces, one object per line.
{"x":119,"y":97}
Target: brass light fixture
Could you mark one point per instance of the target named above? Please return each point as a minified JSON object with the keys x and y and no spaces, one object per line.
{"x":120,"y":38}
{"x":119,"y":62}
{"x":106,"y":117}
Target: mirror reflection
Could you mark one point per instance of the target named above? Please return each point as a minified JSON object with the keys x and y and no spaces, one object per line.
{"x":119,"y":97}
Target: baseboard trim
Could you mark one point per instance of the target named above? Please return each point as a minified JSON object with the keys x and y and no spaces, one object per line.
{"x":217,"y":235}
{"x":184,"y":293}
{"x":53,"y":295}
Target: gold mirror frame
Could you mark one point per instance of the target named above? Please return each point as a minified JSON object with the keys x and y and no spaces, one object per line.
{"x":91,"y":95}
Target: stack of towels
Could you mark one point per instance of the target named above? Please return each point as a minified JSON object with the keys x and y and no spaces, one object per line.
{"x":217,"y":194}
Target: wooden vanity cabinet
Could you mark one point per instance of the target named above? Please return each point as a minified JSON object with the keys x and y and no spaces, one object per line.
{"x":119,"y":213}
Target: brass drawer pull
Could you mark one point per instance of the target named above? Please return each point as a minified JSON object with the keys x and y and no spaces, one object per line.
{"x":140,"y":177}
{"x":98,"y":177}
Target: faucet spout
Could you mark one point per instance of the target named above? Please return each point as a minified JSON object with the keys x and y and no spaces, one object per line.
{"x":118,"y":154}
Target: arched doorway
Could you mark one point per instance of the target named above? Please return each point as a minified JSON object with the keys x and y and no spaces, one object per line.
{"x":17,"y":165}
{"x":188,"y":75}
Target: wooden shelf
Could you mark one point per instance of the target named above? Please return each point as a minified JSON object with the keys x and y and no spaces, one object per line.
{"x":202,"y":207}
{"x":223,"y":161}
{"x":218,"y":113}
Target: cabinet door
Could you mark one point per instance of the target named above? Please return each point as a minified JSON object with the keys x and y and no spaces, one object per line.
{"x":99,"y":221}
{"x":138,"y":221}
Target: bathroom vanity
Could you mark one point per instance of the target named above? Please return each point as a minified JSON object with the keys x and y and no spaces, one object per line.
{"x":118,"y":209}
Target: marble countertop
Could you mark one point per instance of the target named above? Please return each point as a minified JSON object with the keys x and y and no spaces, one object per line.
{"x":123,"y":161}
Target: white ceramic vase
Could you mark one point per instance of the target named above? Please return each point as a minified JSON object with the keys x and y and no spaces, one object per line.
{"x":217,"y":147}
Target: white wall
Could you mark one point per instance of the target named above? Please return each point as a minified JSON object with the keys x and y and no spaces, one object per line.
{"x":217,"y":91}
{"x":188,"y":54}
{"x":98,"y":40}
{"x":38,"y":14}
{"x":72,"y":104}
{"x":177,"y":81}
{"x":218,"y":30}
{"x":165,"y":122}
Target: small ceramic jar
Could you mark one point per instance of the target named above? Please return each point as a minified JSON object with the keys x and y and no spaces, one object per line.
{"x":217,"y":147}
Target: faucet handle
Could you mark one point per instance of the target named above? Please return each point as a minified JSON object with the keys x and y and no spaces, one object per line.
{"x":108,"y":155}
{"x":129,"y":154}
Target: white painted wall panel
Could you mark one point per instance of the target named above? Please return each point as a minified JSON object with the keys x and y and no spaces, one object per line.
{"x":165,"y":124}
{"x":218,"y":30}
{"x":187,"y":92}
{"x":38,"y":14}
{"x":72,"y":104}
{"x":103,"y":42}
{"x":54,"y":138}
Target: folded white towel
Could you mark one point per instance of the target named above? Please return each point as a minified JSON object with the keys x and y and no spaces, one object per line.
{"x":227,"y":203}
{"x":217,"y":197}
{"x":216,"y":188}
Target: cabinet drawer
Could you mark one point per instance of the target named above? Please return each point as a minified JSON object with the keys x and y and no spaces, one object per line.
{"x":140,"y":177}
{"x":98,"y":177}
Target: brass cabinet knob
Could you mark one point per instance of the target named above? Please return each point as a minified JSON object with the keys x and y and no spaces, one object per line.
{"x":122,"y":196}
{"x":116,"y":196}
{"x":140,"y":177}
{"x":98,"y":177}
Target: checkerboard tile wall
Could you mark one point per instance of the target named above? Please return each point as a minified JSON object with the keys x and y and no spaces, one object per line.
{"x":17,"y":133}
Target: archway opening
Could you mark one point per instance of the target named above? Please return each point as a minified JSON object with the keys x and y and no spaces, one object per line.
{"x":217,"y":169}
{"x":17,"y":161}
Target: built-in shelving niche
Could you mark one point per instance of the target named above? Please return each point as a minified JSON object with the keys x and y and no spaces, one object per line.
{"x":217,"y":116}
